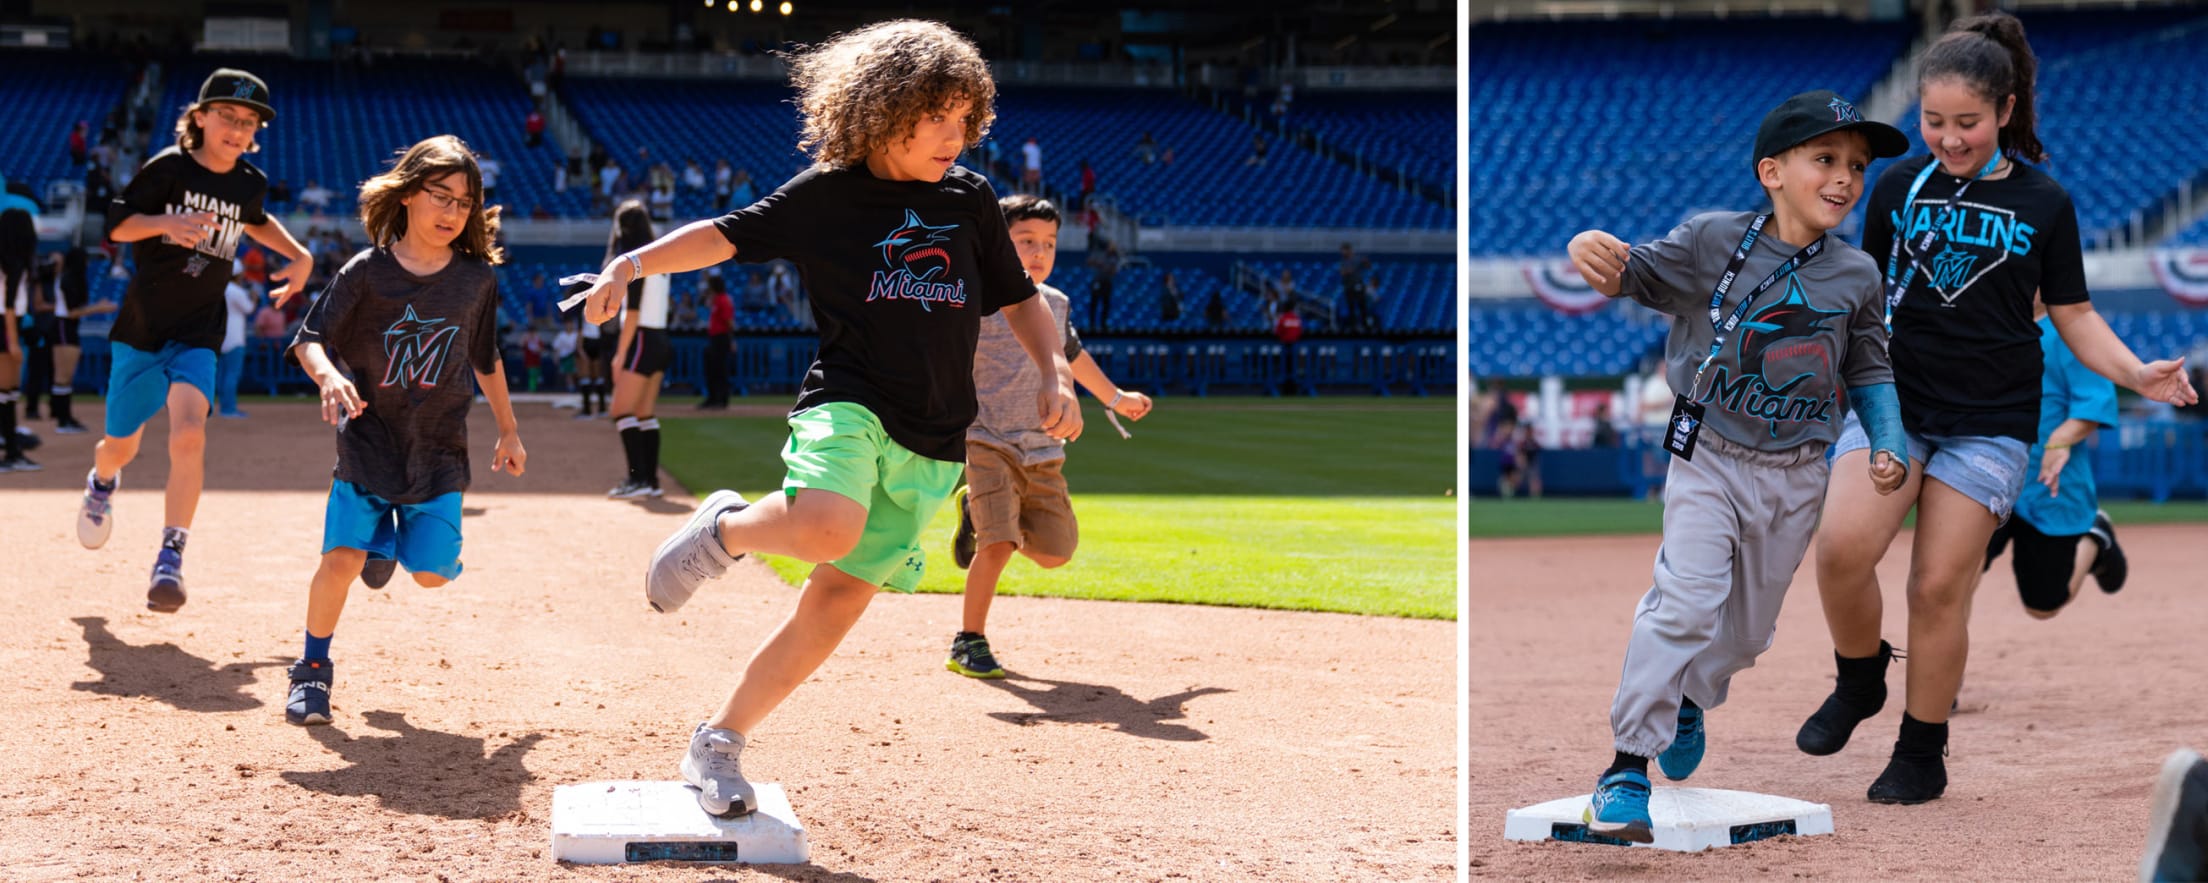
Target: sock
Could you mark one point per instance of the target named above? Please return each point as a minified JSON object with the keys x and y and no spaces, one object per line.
{"x":172,"y":538}
{"x":1686,"y":703}
{"x":107,"y":485}
{"x":7,"y":424}
{"x":631,"y":439}
{"x":62,"y":413}
{"x":318,"y":648}
{"x":1920,"y":739}
{"x":647,"y":450}
{"x":1863,"y":681}
{"x":1626,"y":761}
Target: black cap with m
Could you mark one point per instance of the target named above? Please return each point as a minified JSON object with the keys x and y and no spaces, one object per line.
{"x":1811,"y":114}
{"x":237,"y":87}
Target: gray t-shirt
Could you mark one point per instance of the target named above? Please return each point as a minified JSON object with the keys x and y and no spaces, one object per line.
{"x":1006,"y":383}
{"x":1776,"y":385}
{"x":412,"y":345}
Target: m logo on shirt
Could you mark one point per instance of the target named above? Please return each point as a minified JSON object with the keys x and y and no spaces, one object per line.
{"x":414,"y":349}
{"x":916,"y":255}
{"x":1951,"y":269}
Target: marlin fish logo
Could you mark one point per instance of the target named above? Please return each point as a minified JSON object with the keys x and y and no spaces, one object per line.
{"x":1790,"y":318}
{"x":917,"y":248}
{"x":416,"y":348}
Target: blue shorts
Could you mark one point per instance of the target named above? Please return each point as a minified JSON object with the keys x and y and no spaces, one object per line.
{"x":138,"y":382}
{"x":423,"y":537}
{"x":1988,"y":469}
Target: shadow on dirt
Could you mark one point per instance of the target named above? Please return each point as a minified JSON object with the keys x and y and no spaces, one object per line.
{"x":166,"y":673}
{"x":1067,"y":702}
{"x":422,"y":772}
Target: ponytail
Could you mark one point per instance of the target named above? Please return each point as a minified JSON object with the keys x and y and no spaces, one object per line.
{"x":1989,"y":52}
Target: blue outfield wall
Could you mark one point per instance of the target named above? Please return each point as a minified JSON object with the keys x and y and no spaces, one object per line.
{"x":776,"y":364}
{"x":2157,"y":460}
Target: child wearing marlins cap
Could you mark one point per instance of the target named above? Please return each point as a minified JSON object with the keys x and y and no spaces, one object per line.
{"x":186,"y":210}
{"x":1773,"y":317}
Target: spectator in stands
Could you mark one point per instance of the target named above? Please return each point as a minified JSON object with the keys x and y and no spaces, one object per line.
{"x":559,"y":176}
{"x":490,"y":169}
{"x":1088,"y":183}
{"x":1606,"y":428}
{"x":99,"y":187}
{"x":1031,"y":168}
{"x":662,"y":195}
{"x":564,"y":344}
{"x":1215,"y":310}
{"x":1147,"y":149}
{"x":1257,"y":151}
{"x":597,"y":159}
{"x":724,"y":184}
{"x":609,"y":186}
{"x":783,"y":288}
{"x":1355,"y":270}
{"x":693,"y":177}
{"x":1104,"y":272}
{"x":745,"y":192}
{"x":1284,"y":100}
{"x":532,"y":357}
{"x":720,"y":334}
{"x":279,"y":195}
{"x":1169,"y":298}
{"x":532,"y":126}
{"x":1288,"y":328}
{"x":316,"y":198}
{"x":79,"y":148}
{"x":1281,"y":296}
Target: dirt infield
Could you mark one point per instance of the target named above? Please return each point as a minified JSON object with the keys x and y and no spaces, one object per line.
{"x":1135,"y":741}
{"x":2063,"y":722}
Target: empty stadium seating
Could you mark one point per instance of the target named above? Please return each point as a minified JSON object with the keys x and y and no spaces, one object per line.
{"x":46,"y":94}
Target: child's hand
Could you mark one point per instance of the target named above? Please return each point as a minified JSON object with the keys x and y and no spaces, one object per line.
{"x":1061,"y":413}
{"x":2050,"y":468}
{"x":1600,"y":259}
{"x":1886,"y":474}
{"x":509,"y":457}
{"x":2165,"y":381}
{"x":294,"y":276}
{"x":339,"y":399}
{"x":187,"y":229}
{"x":1132,"y":405}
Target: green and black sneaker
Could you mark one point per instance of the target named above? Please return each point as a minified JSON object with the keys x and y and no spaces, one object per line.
{"x":970,"y":656}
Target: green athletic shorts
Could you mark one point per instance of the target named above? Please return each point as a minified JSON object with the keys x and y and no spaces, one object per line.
{"x":841,"y":447}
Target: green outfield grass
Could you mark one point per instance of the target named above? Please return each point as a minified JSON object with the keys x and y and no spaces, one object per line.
{"x":1327,"y":504}
{"x":1492,"y":518}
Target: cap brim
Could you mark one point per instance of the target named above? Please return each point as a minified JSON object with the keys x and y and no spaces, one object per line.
{"x":268,"y":114}
{"x":1886,"y":141}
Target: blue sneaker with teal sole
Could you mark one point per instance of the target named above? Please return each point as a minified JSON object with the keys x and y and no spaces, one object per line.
{"x":1619,"y":808}
{"x":1685,"y":754}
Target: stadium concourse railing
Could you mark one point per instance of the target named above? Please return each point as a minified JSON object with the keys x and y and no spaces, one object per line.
{"x":776,"y":363}
{"x":2156,"y":459}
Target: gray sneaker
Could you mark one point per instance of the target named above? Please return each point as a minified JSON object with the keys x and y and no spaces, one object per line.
{"x":713,"y":766}
{"x":693,"y":555}
{"x":96,"y":518}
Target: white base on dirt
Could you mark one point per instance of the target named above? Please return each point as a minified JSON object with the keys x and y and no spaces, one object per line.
{"x":1687,"y":819}
{"x":609,"y":823}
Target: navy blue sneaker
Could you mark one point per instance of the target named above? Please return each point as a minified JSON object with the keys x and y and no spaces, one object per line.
{"x":1685,"y":754}
{"x":166,"y":592}
{"x":377,"y":572}
{"x":309,"y":702}
{"x":1619,"y":807}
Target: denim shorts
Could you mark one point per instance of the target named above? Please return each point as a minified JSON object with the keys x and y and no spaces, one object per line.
{"x":1988,"y":469}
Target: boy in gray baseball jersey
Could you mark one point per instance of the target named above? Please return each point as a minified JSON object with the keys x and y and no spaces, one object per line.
{"x":1772,"y":318}
{"x":1015,"y":496}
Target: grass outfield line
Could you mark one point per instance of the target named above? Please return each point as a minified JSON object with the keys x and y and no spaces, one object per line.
{"x":1491,"y":518}
{"x":1328,"y":504}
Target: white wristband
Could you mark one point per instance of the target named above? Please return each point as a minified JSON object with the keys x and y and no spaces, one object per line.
{"x":1116,"y":396}
{"x":636,"y":267}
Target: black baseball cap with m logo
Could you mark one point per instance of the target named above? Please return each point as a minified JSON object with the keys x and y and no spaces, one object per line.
{"x":237,"y":87}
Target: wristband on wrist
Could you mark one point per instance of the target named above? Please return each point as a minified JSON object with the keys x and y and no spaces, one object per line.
{"x":1116,"y":396}
{"x":636,"y":267}
{"x":2056,"y":447}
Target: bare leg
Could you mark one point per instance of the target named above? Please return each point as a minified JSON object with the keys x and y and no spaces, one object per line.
{"x":826,"y":609}
{"x":332,"y":581}
{"x":814,"y":525}
{"x":981,"y":585}
{"x":113,"y":453}
{"x":1855,"y":531}
{"x":1952,"y":531}
{"x":187,"y":453}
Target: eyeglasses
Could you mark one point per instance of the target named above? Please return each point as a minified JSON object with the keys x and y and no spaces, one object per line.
{"x":446,"y":202}
{"x":233,"y":120}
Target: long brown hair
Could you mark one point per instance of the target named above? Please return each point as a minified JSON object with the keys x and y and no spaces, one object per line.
{"x":189,"y":136}
{"x":1989,"y":52}
{"x":383,"y":215}
{"x":864,"y":90}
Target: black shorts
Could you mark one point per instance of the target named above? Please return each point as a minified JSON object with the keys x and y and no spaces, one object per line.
{"x":65,"y":331}
{"x":2043,"y":563}
{"x":597,"y":349}
{"x":649,"y":353}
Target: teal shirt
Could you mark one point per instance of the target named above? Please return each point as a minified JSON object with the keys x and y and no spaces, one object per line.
{"x":2067,"y":391}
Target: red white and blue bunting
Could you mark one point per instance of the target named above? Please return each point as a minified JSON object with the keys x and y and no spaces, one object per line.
{"x":2183,"y":273}
{"x":1562,"y":288}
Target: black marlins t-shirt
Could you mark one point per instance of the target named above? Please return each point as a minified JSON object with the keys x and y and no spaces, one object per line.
{"x":176,"y":294}
{"x":900,"y":274}
{"x":410,"y":344}
{"x":1965,"y":350}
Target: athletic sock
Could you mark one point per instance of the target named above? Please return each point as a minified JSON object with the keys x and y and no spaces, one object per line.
{"x":7,"y":424}
{"x":647,"y":450}
{"x":172,"y":538}
{"x":1626,"y":761}
{"x":631,"y":443}
{"x":63,"y":414}
{"x":318,"y":649}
